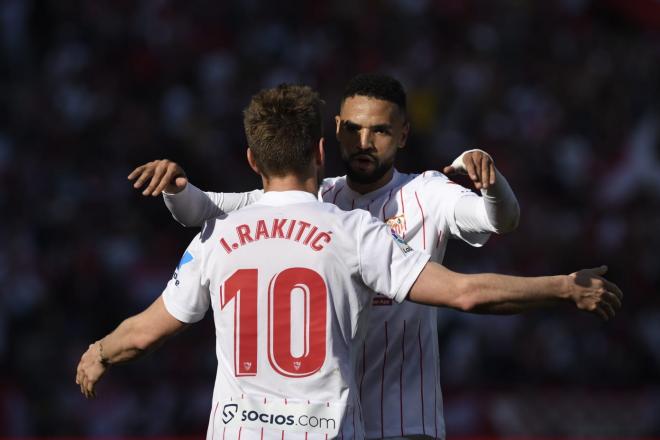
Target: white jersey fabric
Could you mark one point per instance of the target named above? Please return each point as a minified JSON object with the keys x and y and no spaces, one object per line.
{"x":290,"y":281}
{"x":398,"y":371}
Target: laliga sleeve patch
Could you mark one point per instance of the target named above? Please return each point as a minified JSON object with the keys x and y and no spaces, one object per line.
{"x":405,"y":248}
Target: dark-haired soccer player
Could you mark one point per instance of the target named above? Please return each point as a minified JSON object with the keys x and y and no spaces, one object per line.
{"x":398,"y":370}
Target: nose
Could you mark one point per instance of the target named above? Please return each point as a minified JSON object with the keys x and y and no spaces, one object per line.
{"x":366,"y":139}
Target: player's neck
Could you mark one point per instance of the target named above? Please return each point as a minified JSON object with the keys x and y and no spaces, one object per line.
{"x":291,"y":183}
{"x":364,"y":188}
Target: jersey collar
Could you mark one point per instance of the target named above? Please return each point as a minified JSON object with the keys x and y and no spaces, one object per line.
{"x":394,"y":181}
{"x":277,"y":198}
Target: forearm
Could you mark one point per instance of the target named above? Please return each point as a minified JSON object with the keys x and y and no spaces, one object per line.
{"x":493,"y":293}
{"x":139,"y":334}
{"x":124,"y":344}
{"x":497,"y":210}
{"x":501,"y":205}
{"x":192,"y":206}
{"x":512,"y":308}
{"x":487,"y":293}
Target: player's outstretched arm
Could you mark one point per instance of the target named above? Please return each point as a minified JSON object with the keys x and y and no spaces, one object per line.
{"x":132,"y":338}
{"x":189,"y":205}
{"x":497,"y":210}
{"x":493,"y":293}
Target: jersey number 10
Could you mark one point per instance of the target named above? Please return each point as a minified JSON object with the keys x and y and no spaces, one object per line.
{"x":242,"y":286}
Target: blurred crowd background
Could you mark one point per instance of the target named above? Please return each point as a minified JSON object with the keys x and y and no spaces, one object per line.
{"x":563,"y":93}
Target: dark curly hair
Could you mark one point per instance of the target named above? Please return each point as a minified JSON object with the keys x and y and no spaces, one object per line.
{"x":375,"y":85}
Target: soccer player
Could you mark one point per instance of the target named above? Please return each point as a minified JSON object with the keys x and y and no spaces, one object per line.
{"x":290,"y":281}
{"x":398,"y":368}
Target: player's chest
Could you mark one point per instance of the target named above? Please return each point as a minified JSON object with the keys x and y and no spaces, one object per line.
{"x":406,"y":212}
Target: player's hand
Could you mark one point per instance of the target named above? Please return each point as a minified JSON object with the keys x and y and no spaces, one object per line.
{"x":163,"y":175}
{"x":593,"y":293}
{"x":477,"y":164}
{"x":90,"y":370}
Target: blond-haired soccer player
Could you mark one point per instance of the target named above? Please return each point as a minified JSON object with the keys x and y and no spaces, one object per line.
{"x":290,"y":281}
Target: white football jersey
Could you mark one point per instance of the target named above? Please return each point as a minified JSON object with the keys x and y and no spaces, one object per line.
{"x":398,"y":369}
{"x":290,"y":282}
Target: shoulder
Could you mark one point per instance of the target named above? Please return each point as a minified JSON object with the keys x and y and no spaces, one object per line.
{"x":331,"y":183}
{"x":348,"y":222}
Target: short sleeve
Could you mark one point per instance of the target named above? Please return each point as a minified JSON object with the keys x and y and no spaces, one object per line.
{"x":187,"y":296}
{"x":388,"y":265}
{"x":443,"y":196}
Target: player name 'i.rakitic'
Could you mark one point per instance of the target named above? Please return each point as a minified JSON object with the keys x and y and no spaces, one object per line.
{"x":297,"y":230}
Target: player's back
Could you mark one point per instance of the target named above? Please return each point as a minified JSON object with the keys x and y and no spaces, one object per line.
{"x":289,"y":291}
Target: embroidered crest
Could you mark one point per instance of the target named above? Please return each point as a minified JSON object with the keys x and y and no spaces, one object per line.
{"x":397,"y":224}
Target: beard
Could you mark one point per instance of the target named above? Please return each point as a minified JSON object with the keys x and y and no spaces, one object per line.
{"x":362,"y":176}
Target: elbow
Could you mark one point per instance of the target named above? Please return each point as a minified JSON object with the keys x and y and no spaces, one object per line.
{"x":465,"y":304}
{"x":464,"y":300}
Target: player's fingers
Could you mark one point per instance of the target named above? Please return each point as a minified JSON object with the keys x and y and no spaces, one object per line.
{"x":90,"y":389}
{"x":472,"y":170}
{"x":600,"y":312}
{"x":136,"y":172}
{"x":485,"y":171}
{"x":82,"y":385}
{"x":448,"y":170}
{"x":168,"y":178}
{"x":477,"y":171}
{"x":469,"y":167}
{"x":608,"y":309}
{"x":155,"y":179}
{"x":600,"y":270}
{"x":612,"y":299}
{"x":181,"y":181}
{"x":145,"y":174}
{"x":611,"y":287}
{"x":493,"y":177}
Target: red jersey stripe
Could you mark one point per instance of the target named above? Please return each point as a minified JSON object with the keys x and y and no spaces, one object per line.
{"x":437,"y":243}
{"x":382,"y":387}
{"x":334,"y":200}
{"x":421,"y":374}
{"x":386,"y":203}
{"x":328,"y":190}
{"x":403,"y":361}
{"x":364,"y":367}
{"x":403,"y":212}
